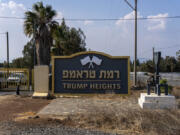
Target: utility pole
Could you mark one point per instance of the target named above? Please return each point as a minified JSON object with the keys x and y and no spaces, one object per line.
{"x":135,"y":41}
{"x":135,"y":46}
{"x":153,"y":54}
{"x":7,"y":35}
{"x":153,"y":59}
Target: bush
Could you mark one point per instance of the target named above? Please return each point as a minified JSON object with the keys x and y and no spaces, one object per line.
{"x":170,"y":88}
{"x":163,"y":81}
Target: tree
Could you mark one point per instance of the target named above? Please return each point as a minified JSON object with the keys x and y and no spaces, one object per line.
{"x":178,"y":55}
{"x":68,"y":40}
{"x":162,"y":65}
{"x":28,"y":55}
{"x":132,"y":65}
{"x":147,"y":66}
{"x":178,"y":61}
{"x":39,"y":23}
{"x":170,"y":64}
{"x":27,"y":61}
{"x":18,"y":63}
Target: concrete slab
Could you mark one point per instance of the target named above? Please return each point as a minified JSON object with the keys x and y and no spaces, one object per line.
{"x":73,"y":106}
{"x":154,"y":101}
{"x":40,"y":95}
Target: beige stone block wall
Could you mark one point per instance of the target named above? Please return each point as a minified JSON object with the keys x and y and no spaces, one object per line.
{"x":41,"y":79}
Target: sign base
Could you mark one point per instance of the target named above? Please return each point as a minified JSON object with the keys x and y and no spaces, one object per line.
{"x":41,"y":81}
{"x":40,"y":95}
{"x":154,"y":101}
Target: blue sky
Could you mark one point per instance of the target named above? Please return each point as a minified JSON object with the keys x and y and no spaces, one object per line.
{"x":112,"y":37}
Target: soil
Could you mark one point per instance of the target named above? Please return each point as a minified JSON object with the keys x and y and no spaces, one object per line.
{"x":12,"y":105}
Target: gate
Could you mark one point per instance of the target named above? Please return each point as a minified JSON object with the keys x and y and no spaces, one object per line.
{"x":10,"y":78}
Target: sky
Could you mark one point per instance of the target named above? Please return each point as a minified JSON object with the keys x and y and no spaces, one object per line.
{"x":112,"y":37}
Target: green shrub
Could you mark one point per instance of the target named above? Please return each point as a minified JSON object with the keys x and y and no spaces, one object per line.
{"x":163,"y":81}
{"x":170,"y":88}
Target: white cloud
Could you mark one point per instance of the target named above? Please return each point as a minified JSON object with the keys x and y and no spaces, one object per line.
{"x":59,"y":15}
{"x":87,"y":22}
{"x":153,"y":22}
{"x":126,"y":24}
{"x":157,"y":24}
{"x":130,"y":15}
{"x":11,"y":9}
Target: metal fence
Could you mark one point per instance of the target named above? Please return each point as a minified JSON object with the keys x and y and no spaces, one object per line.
{"x":172,"y":78}
{"x":10,"y":78}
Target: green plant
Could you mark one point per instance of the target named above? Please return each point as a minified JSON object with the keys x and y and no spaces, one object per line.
{"x":163,"y":81}
{"x":170,"y":88}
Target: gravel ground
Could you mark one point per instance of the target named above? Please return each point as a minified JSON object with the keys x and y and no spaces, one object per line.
{"x":11,"y":128}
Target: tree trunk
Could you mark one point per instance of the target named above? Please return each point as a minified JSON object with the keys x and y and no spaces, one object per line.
{"x":38,"y":51}
{"x":43,"y":47}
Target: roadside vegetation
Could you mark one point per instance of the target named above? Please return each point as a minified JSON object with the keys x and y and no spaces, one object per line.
{"x":167,"y":64}
{"x":128,"y":119}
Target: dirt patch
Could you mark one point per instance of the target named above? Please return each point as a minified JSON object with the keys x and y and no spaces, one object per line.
{"x":7,"y":97}
{"x":11,"y":106}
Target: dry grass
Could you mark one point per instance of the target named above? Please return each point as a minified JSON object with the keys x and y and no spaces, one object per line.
{"x":176,"y":92}
{"x":165,"y":122}
{"x":127,"y":119}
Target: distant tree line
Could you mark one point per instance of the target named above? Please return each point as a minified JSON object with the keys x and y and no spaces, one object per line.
{"x":167,"y":64}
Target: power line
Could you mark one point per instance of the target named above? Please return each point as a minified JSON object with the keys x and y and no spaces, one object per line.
{"x":99,"y":19}
{"x":129,"y":5}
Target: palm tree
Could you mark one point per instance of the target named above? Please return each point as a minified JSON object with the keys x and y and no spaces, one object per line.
{"x":39,"y":24}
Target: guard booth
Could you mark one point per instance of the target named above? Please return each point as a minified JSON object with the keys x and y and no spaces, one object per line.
{"x":10,"y":78}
